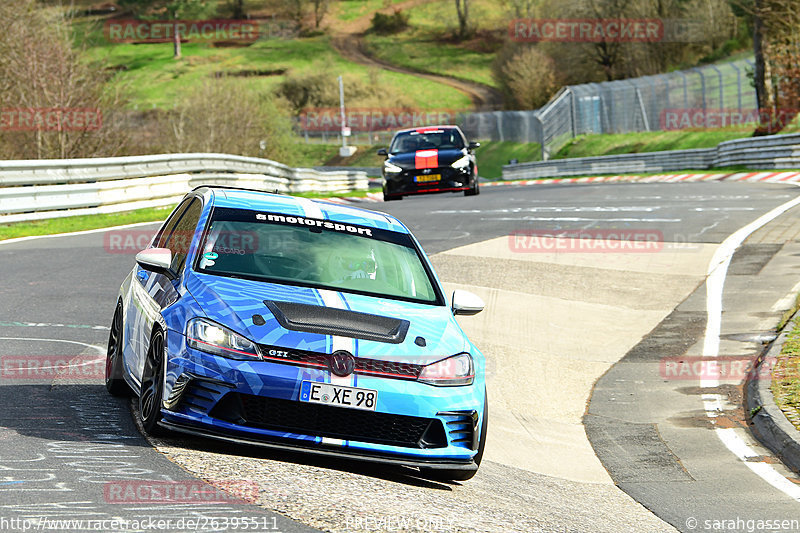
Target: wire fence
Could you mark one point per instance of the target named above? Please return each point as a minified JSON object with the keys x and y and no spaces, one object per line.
{"x":704,"y":97}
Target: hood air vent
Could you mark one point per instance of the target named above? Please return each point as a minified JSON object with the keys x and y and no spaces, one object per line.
{"x":341,"y":322}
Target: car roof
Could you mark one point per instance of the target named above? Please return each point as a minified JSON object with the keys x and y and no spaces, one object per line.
{"x":423,"y":128}
{"x":254,"y":200}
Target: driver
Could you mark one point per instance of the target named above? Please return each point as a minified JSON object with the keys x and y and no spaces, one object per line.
{"x":356,"y":264}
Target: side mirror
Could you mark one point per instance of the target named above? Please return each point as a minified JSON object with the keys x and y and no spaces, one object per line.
{"x":383,"y":152}
{"x":158,"y":260}
{"x":474,"y":145}
{"x":466,"y":303}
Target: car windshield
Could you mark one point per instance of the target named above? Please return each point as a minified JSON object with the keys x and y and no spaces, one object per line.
{"x":440,"y":139}
{"x":317,"y":253}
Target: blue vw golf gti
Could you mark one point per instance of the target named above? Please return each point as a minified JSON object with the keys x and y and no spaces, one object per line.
{"x":285,"y":322}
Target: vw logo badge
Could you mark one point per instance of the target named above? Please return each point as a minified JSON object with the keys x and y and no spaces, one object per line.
{"x":342,"y":363}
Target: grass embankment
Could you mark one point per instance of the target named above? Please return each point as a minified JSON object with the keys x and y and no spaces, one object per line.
{"x":82,"y":222}
{"x":786,"y":377}
{"x":150,"y":77}
{"x":428,"y":44}
{"x":648,"y":141}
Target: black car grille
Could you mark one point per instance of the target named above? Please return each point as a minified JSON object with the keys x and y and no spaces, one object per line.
{"x":375,"y":367}
{"x":334,"y":422}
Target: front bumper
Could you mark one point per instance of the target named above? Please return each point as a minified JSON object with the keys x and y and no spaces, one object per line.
{"x":329,"y":451}
{"x":256,"y":402}
{"x":403,"y":183}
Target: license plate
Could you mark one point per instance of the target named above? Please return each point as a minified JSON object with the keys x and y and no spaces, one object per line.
{"x":425,"y":179}
{"x":338,"y":395}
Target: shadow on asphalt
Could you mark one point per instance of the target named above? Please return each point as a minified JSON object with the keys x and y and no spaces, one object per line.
{"x":398,"y":474}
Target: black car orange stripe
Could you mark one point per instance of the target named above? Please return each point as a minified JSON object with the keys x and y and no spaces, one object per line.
{"x":426,"y":159}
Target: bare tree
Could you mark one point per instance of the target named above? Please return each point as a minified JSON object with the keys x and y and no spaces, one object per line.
{"x":224,"y":116}
{"x":462,"y":10}
{"x":530,"y":76}
{"x":776,"y":43}
{"x":523,"y":8}
{"x":320,"y":10}
{"x":44,"y":76}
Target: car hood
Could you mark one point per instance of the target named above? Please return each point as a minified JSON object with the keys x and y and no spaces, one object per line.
{"x":234,"y":302}
{"x":411,"y":160}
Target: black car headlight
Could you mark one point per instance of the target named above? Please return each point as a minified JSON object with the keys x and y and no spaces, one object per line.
{"x":450,"y":372}
{"x":391,"y":168}
{"x":210,"y":337}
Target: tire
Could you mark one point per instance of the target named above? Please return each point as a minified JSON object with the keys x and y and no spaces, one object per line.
{"x":115,"y":383}
{"x":150,"y":397}
{"x":390,"y":198}
{"x":475,"y":190}
{"x":463,"y":475}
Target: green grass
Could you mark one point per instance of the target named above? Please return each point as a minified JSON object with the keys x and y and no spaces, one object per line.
{"x":348,"y":10}
{"x":428,"y":54}
{"x":651,"y":141}
{"x":351,"y":194}
{"x":492,"y":156}
{"x":312,"y":155}
{"x":82,"y":222}
{"x":427,"y":44}
{"x":786,"y":377}
{"x":150,"y":77}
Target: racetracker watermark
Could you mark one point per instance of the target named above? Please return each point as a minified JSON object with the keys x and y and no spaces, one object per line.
{"x":133,"y":241}
{"x":372,"y":119}
{"x":50,"y":119}
{"x":527,"y":30}
{"x":710,"y":368}
{"x":159,"y":31}
{"x":46,"y":368}
{"x":587,"y":30}
{"x":586,"y":241}
{"x":182,"y":492}
{"x":203,"y":522}
{"x":687,"y":118}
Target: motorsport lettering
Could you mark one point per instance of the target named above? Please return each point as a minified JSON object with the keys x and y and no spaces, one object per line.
{"x":301,"y":221}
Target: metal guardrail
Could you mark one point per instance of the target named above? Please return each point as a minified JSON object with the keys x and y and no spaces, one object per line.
{"x":763,"y":153}
{"x":39,"y":189}
{"x":373,"y":172}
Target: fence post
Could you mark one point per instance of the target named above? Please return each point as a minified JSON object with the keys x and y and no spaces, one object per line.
{"x":721,"y":94}
{"x":539,"y":128}
{"x":738,"y":86}
{"x":702,"y":87}
{"x":572,"y":112}
{"x":685,"y":89}
{"x":642,"y":110}
{"x":499,"y":121}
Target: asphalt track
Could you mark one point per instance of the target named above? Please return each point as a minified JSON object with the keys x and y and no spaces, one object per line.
{"x":636,"y":452}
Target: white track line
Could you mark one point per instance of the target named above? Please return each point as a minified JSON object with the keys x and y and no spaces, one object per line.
{"x":717,"y":271}
{"x":100,"y":349}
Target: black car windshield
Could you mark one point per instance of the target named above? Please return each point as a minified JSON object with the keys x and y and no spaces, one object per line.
{"x":434,"y":139}
{"x":317,"y":253}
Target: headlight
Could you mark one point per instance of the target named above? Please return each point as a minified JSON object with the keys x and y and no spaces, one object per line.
{"x":391,"y":167}
{"x":450,"y":372}
{"x":461,"y":163}
{"x":207,"y":336}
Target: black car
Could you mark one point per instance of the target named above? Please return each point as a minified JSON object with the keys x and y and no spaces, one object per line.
{"x":428,"y":160}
